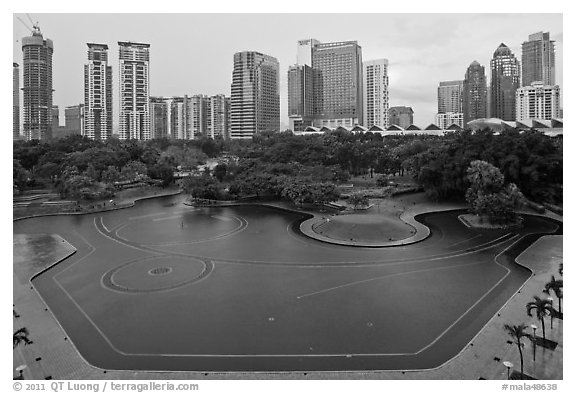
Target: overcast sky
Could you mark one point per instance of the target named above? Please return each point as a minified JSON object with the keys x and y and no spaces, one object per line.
{"x":192,"y":53}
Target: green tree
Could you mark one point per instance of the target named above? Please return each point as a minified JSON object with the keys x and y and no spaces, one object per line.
{"x":134,"y":171}
{"x":111,"y":175}
{"x":21,"y":176}
{"x":487,"y":194}
{"x":555,"y":286}
{"x":20,"y":336}
{"x":542,"y":308}
{"x":518,"y":332}
{"x":162,"y":172}
{"x":220,"y":171}
{"x":358,"y":199}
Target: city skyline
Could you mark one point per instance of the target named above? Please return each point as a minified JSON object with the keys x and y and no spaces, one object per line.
{"x":418,"y":57}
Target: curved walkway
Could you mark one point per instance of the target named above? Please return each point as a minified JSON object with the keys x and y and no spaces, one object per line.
{"x":421,"y":231}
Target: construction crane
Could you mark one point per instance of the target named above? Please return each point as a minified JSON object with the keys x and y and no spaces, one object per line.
{"x":35,"y":26}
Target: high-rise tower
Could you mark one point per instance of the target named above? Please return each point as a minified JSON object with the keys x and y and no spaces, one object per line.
{"x":255,"y":100}
{"x":134,"y":90}
{"x":505,"y":80}
{"x":97,"y":93}
{"x":37,"y":85}
{"x":474,"y":93}
{"x":538,"y":60}
{"x":450,"y":97}
{"x":338,"y":84}
{"x":375,"y":93}
{"x":15,"y":101}
{"x":300,"y":96}
{"x":450,"y":104}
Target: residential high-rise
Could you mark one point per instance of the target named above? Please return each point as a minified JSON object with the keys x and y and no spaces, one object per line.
{"x":450,"y":96}
{"x":178,"y":122}
{"x":375,"y":94}
{"x":219,"y":108}
{"x":538,"y":101}
{"x":505,"y":80}
{"x":474,"y":93}
{"x":402,"y":116}
{"x":37,"y":85}
{"x":97,"y":93}
{"x":538,"y":60}
{"x":338,"y":84}
{"x":198,"y":116}
{"x":134,"y":90}
{"x":75,"y":117}
{"x":300,"y":97}
{"x":255,"y":100}
{"x":160,"y":117}
{"x":15,"y":101}
{"x":55,"y":120}
{"x":450,"y":104}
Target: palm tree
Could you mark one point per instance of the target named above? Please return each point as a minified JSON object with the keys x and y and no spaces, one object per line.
{"x":556,"y":287}
{"x":517,"y":333}
{"x":21,"y":335}
{"x":542,"y":307}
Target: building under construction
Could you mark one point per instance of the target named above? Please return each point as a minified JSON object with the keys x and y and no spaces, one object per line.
{"x":37,"y":85}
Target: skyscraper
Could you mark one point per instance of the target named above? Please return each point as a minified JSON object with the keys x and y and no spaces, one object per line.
{"x":134,"y":90}
{"x":375,"y":95}
{"x":15,"y":101}
{"x":538,"y":60}
{"x":474,"y":93}
{"x":37,"y":86}
{"x":219,"y":108}
{"x":300,"y":96}
{"x":160,"y":117}
{"x":255,"y":100}
{"x":538,"y":101}
{"x":450,"y":104}
{"x":198,"y":116}
{"x":97,"y":93}
{"x":402,"y":116}
{"x":505,"y":80}
{"x":338,"y":84}
{"x":450,"y":97}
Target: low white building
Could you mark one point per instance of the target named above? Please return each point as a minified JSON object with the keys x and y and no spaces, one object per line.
{"x":538,"y":101}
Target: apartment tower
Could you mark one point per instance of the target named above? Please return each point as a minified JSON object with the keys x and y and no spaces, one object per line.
{"x":37,"y":86}
{"x":97,"y":93}
{"x":450,"y":104}
{"x":375,"y":97}
{"x":255,"y":100}
{"x":538,"y":60}
{"x":134,"y":90}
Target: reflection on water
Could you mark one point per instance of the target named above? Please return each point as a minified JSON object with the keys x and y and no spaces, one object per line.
{"x":33,"y":253}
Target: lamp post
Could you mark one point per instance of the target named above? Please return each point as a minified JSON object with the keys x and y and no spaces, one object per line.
{"x":551,"y":299}
{"x":21,"y":369}
{"x":508,"y":365}
{"x":534,"y":327}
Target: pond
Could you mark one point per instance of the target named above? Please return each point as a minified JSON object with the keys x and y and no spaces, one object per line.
{"x":165,"y":286}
